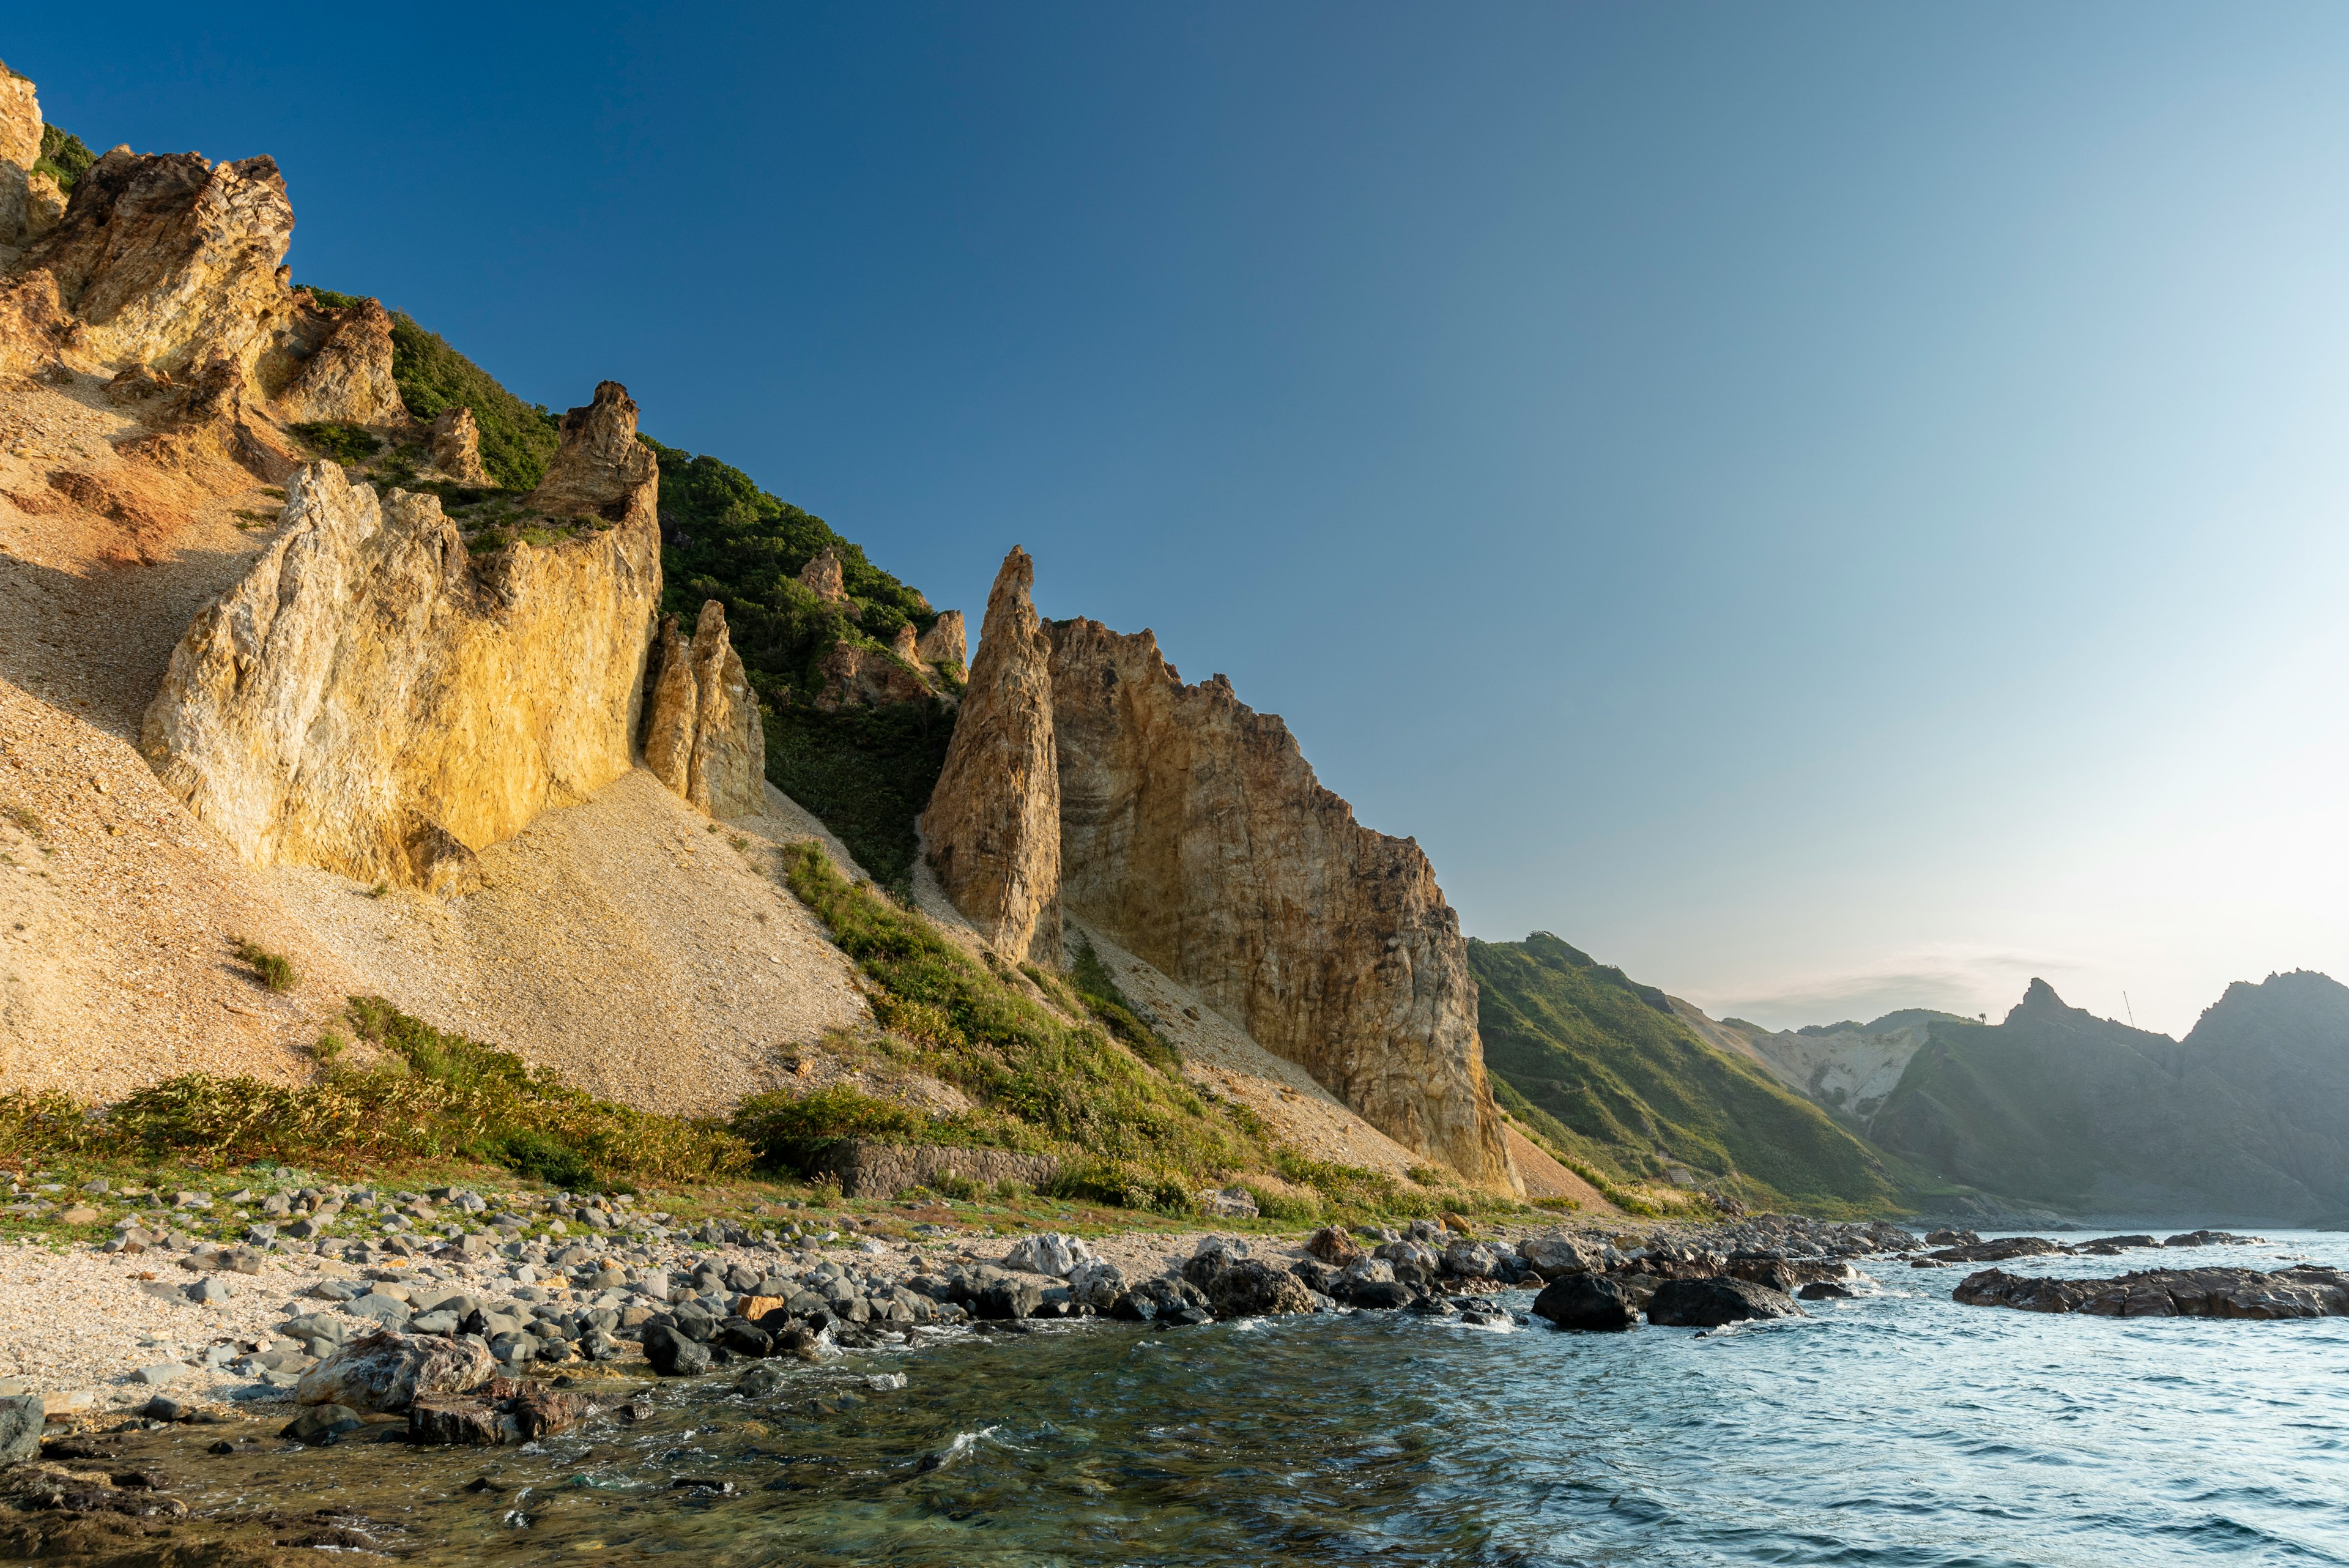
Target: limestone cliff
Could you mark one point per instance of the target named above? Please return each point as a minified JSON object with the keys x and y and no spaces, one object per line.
{"x":993,"y":826}
{"x":1193,"y":828}
{"x":372,"y":700}
{"x":703,"y":735}
{"x":457,"y":446}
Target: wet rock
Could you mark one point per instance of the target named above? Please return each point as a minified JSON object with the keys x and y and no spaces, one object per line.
{"x":1253,"y":1288}
{"x":1380,"y":1295}
{"x":1710,"y":1303}
{"x":2301,"y":1291}
{"x":1824,"y":1291}
{"x":1472,"y":1260}
{"x":1006,"y":1299}
{"x":673,"y":1355}
{"x":322,"y":1426}
{"x":1152,"y":1299}
{"x":1213,"y":1255}
{"x":1951,"y":1237}
{"x":1588,"y":1303}
{"x":20,"y":1428}
{"x":1999,"y":1251}
{"x":760,"y":1381}
{"x":387,"y":1371}
{"x":2214,"y":1239}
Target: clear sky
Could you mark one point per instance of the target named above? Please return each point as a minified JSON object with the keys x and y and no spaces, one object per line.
{"x":1829,"y":506}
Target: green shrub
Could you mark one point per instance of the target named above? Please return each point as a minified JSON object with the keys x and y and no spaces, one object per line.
{"x":346,"y":443}
{"x":271,"y":969}
{"x":64,"y":157}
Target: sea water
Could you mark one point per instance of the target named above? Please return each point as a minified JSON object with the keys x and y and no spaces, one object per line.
{"x":1898,"y":1428}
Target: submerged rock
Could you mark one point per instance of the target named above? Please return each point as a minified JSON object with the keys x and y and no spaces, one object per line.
{"x":1710,"y":1303}
{"x":2301,"y":1291}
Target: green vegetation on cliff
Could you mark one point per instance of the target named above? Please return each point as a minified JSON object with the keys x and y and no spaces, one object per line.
{"x":1606,"y":1072}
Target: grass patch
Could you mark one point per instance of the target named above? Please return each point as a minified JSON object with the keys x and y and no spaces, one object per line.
{"x":429,"y":1096}
{"x":1099,"y":990}
{"x":271,"y":969}
{"x":867,"y":774}
{"x":346,"y":443}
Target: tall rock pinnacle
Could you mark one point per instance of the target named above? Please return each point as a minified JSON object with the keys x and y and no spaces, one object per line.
{"x":993,"y":825}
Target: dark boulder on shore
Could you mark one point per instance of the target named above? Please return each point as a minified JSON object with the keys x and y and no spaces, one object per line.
{"x":2301,"y":1290}
{"x":1710,"y":1303}
{"x":673,"y":1355}
{"x":1590,"y":1302}
{"x":1252,"y":1288}
{"x":1999,"y":1251}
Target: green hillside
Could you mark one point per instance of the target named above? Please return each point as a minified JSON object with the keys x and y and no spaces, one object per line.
{"x":1628,"y":1087}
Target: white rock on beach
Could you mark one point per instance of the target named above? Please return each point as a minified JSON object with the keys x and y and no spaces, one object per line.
{"x":1053,"y":1254}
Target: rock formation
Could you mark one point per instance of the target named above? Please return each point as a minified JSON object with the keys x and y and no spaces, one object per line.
{"x":342,"y":367}
{"x":169,"y":269}
{"x":703,"y":734}
{"x":945,"y":644}
{"x":857,"y":674}
{"x":457,"y":446}
{"x":993,"y":826}
{"x":823,"y":576}
{"x":1193,"y":828}
{"x":2304,"y":1290}
{"x":29,"y":202}
{"x":169,"y":260}
{"x":372,"y":700}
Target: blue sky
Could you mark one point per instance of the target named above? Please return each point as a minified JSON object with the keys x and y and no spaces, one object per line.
{"x":1831,"y":507}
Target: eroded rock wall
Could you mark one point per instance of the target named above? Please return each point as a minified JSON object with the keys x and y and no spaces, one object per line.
{"x":1193,"y":828}
{"x":993,"y":825}
{"x":703,"y":735}
{"x":372,"y":700}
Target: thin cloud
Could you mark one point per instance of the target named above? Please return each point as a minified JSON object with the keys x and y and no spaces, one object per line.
{"x":1968,"y":983}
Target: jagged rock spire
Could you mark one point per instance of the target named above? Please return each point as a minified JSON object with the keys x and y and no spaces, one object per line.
{"x":993,"y":826}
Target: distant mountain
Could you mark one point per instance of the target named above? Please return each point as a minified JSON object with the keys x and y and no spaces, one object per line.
{"x":2243,"y":1121}
{"x":1609,"y":1068}
{"x":1851,"y":1068}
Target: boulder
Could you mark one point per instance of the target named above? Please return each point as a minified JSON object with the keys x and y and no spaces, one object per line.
{"x":1712,"y":1302}
{"x":1158,"y":1299}
{"x":1824,"y":1291}
{"x":386,"y":1371}
{"x":21,"y":1417}
{"x":1211,"y":1257}
{"x":1096,"y":1284}
{"x":1998,"y":1252}
{"x":1472,"y":1260}
{"x":1253,"y":1288}
{"x":1049,"y":1253}
{"x":1554,"y":1254}
{"x":1006,"y":1300}
{"x":1333,"y":1246}
{"x":1588,"y":1302}
{"x":673,"y":1355}
{"x":509,"y":1410}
